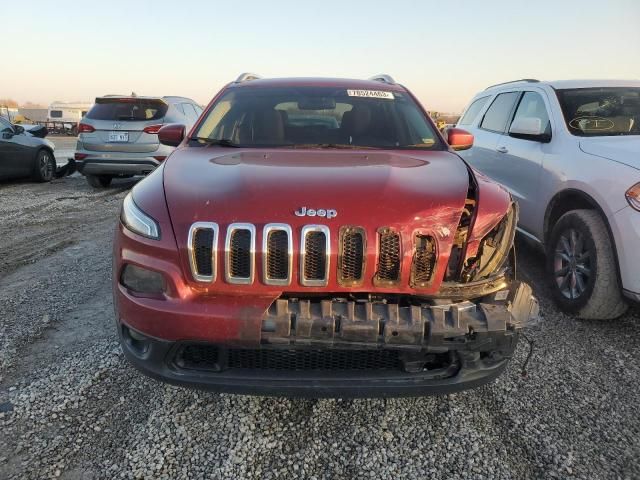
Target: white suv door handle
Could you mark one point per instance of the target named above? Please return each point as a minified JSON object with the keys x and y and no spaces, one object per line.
{"x":502,"y":149}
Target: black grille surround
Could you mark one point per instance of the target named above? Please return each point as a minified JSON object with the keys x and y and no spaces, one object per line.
{"x":424,"y":261}
{"x":203,"y":247}
{"x":389,"y":257}
{"x":314,"y":261}
{"x":239,"y":253}
{"x":277,"y":255}
{"x":351,"y":257}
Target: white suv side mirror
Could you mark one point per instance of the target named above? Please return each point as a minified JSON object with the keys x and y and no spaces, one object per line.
{"x":529,"y":128}
{"x":526,"y":126}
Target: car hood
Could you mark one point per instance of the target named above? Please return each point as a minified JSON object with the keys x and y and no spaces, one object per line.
{"x":365,"y":188}
{"x":622,"y":149}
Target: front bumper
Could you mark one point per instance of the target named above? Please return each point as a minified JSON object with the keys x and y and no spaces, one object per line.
{"x":477,"y":339}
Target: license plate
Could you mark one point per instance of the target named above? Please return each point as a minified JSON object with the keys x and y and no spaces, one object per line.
{"x":118,"y":136}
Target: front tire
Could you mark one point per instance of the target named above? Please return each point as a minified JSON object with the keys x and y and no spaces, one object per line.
{"x":582,"y":267}
{"x":45,"y":166}
{"x":99,"y":181}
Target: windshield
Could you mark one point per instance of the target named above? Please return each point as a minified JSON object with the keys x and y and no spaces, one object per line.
{"x":601,"y":111}
{"x":317,"y":117}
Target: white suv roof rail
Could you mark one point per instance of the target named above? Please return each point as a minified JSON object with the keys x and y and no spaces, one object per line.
{"x":526,"y":80}
{"x":384,"y":78}
{"x":245,"y":77}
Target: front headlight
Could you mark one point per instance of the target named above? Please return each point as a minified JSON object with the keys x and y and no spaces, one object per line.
{"x":633,"y":196}
{"x":494,"y":248}
{"x":137,"y":221}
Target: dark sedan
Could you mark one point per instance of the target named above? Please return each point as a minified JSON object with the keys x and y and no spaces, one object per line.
{"x":23,"y":154}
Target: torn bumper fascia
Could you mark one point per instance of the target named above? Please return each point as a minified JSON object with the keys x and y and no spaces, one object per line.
{"x":440,"y":327}
{"x":479,"y":337}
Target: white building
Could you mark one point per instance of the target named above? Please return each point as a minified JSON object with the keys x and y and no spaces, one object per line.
{"x":67,"y":111}
{"x":8,"y":112}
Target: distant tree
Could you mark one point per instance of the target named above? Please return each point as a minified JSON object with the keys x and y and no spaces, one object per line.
{"x":8,"y":102}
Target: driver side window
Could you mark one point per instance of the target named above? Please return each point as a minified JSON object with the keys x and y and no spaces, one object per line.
{"x":532,"y":106}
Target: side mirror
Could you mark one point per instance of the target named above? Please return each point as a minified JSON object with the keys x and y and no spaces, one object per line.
{"x":459,"y":139}
{"x":171,"y":134}
{"x":528,"y":128}
{"x":18,"y":129}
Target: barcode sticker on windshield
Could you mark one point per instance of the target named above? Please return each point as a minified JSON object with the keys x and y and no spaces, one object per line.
{"x":370,"y":94}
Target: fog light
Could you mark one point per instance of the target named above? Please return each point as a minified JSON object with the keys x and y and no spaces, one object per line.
{"x":141,"y":280}
{"x":138,"y":343}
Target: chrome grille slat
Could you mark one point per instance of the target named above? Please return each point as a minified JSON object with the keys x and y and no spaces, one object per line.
{"x":315,"y":255}
{"x":240,"y":247}
{"x":202,"y":246}
{"x":277,"y":254}
{"x":315,"y":252}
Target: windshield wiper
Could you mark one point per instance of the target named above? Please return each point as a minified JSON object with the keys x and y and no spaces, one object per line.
{"x":222,"y":142}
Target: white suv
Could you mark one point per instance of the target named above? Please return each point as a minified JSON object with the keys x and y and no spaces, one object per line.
{"x":569,"y":153}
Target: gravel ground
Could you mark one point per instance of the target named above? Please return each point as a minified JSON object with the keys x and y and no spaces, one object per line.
{"x":71,"y":407}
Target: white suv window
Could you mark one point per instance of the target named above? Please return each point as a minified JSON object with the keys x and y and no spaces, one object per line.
{"x":499,"y":113}
{"x":532,"y":105}
{"x":472,"y":112}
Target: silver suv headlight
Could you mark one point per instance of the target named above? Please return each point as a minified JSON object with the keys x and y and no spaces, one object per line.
{"x":137,"y":221}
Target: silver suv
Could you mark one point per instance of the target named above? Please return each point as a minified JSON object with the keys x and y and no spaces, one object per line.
{"x":118,"y":137}
{"x":569,"y":153}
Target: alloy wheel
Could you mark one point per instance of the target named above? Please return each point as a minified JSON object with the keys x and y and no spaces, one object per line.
{"x":572,"y":264}
{"x":46,"y":166}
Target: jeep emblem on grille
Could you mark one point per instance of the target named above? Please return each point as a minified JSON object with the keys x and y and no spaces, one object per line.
{"x":321,"y":212}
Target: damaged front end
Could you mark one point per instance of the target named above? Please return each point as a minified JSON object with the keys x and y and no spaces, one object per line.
{"x":361,"y":346}
{"x":470,"y":327}
{"x":399,"y":330}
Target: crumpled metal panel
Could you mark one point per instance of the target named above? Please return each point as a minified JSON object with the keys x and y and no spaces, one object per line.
{"x":449,"y":326}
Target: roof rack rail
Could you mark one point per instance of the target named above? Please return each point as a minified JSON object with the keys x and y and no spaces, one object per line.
{"x":245,"y":77}
{"x":384,"y":78}
{"x":527,"y":80}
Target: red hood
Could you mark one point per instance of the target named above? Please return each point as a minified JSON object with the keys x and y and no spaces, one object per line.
{"x":412,"y":191}
{"x":365,"y":188}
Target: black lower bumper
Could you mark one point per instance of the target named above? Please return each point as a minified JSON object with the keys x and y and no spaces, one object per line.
{"x":462,"y":346}
{"x":471,"y":371}
{"x":117,"y":167}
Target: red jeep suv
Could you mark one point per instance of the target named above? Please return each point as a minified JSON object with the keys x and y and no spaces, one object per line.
{"x":318,"y":237}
